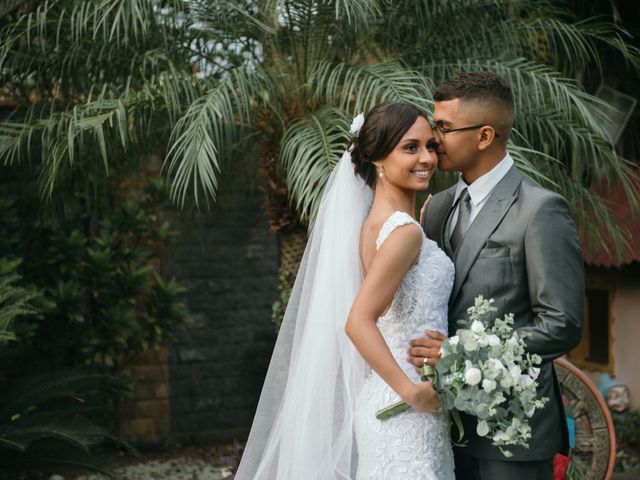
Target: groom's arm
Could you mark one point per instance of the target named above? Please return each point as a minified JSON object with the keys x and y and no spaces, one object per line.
{"x":555,"y":273}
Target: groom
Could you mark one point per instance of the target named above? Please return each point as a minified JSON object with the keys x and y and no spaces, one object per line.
{"x":510,"y":240}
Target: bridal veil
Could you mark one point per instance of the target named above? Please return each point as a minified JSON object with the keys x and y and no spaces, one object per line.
{"x":303,"y":427}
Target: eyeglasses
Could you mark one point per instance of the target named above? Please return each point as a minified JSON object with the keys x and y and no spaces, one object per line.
{"x":441,"y":131}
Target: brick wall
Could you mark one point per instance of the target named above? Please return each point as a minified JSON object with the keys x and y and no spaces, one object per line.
{"x":227,"y":259}
{"x":146,"y":416}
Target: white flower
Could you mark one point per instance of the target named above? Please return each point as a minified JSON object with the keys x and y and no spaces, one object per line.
{"x":493,"y":368}
{"x":482,"y":429}
{"x":357,"y":124}
{"x":534,"y":372}
{"x":454,"y":340}
{"x":507,"y":381}
{"x":515,"y":372}
{"x":470,"y":344}
{"x":526,"y":380}
{"x":529,"y":413}
{"x":477,"y":326}
{"x":501,"y":437}
{"x":493,"y":340}
{"x":472,"y":376}
{"x":488,"y":385}
{"x":496,"y":364}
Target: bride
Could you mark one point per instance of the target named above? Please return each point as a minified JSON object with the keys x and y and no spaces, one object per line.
{"x":369,"y":282}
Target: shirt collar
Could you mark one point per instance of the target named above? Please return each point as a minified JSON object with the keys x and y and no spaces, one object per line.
{"x":482,"y":187}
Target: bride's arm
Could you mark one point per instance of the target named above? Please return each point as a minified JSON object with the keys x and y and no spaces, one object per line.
{"x":396,"y":255}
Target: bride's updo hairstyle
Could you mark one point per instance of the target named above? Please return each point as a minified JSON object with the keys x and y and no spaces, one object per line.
{"x":384,"y":126}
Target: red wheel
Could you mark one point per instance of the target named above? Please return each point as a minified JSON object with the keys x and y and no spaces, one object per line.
{"x":595,"y":444}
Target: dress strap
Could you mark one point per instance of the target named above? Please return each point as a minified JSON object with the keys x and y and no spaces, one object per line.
{"x":397,"y":219}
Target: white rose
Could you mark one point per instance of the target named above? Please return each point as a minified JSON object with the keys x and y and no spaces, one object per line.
{"x":477,"y":326}
{"x":482,"y":429}
{"x":357,"y":124}
{"x":470,"y":345}
{"x":472,"y":376}
{"x":454,"y":340}
{"x":488,"y":385}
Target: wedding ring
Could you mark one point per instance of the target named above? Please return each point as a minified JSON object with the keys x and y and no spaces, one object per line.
{"x":425,"y":360}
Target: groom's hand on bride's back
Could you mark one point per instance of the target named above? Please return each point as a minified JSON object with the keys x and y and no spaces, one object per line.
{"x":425,"y":347}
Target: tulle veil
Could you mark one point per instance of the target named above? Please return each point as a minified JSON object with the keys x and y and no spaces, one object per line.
{"x":304,"y":423}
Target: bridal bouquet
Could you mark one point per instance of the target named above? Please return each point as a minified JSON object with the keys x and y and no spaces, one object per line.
{"x":485,"y":371}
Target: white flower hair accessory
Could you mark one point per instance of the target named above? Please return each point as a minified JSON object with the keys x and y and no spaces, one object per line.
{"x":357,"y":124}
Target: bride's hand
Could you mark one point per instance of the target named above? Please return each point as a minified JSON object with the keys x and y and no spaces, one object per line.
{"x":423,"y":398}
{"x":424,"y":208}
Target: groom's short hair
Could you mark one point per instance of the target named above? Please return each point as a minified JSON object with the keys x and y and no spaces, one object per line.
{"x":479,"y":87}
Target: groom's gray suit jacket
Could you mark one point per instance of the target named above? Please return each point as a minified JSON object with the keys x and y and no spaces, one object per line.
{"x":522,"y":249}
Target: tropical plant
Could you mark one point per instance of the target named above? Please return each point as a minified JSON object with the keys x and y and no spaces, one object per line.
{"x":550,"y":56}
{"x":97,"y":273}
{"x":46,"y":420}
{"x":14,"y":300}
{"x":274,"y":83}
{"x":627,"y":426}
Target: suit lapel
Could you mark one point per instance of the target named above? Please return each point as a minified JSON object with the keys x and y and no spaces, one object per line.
{"x":498,"y":203}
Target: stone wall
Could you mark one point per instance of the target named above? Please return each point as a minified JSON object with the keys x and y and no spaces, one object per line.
{"x":146,"y":419}
{"x":227,"y":259}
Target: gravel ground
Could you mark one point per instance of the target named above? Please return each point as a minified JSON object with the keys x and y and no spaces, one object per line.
{"x":189,"y":463}
{"x":180,"y":468}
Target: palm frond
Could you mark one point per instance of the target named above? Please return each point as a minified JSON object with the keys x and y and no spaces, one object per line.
{"x":203,"y":136}
{"x":358,"y":13}
{"x":14,"y":301}
{"x":359,"y":88}
{"x":309,"y":151}
{"x":43,"y":423}
{"x":108,"y":119}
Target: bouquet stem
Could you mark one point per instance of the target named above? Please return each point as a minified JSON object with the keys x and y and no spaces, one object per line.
{"x":426,"y":374}
{"x":392,"y":410}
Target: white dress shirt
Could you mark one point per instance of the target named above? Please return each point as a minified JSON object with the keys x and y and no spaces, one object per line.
{"x":480,"y":189}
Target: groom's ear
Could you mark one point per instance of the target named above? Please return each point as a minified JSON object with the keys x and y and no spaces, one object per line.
{"x":487,"y":137}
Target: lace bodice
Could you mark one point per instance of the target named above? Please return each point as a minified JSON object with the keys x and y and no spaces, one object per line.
{"x":421,"y":301}
{"x":410,"y":445}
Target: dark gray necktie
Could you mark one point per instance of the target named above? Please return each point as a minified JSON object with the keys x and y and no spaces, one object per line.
{"x":464,"y":211}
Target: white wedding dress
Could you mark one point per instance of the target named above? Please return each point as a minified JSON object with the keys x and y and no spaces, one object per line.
{"x":410,"y":445}
{"x":316,"y":415}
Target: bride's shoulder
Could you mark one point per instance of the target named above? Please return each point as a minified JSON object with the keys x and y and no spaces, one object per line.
{"x":393,"y":222}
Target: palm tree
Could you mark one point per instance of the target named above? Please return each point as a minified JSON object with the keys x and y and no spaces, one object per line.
{"x":273,"y":84}
{"x":279,"y":80}
{"x":550,"y":56}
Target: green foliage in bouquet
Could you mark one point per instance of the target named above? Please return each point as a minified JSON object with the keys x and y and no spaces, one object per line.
{"x":486,"y":372}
